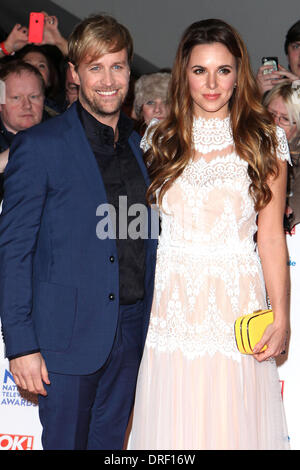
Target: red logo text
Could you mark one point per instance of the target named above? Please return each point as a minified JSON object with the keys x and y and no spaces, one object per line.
{"x":15,"y":442}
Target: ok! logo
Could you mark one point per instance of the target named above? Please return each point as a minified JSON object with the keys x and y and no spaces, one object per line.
{"x":15,"y":442}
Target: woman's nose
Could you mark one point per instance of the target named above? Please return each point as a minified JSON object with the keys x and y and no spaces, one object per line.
{"x":276,"y":120}
{"x":211,"y":81}
{"x":158,"y":107}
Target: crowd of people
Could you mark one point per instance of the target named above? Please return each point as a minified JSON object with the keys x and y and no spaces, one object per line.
{"x":88,"y":319}
{"x":19,"y":111}
{"x":150,"y":97}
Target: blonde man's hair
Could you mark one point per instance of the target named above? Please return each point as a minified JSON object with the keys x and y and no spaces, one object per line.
{"x":98,"y":35}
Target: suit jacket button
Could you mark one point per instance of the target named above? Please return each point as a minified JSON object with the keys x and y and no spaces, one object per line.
{"x":111,"y":259}
{"x":111,"y":296}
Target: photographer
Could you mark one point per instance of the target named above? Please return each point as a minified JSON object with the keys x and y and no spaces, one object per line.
{"x":268,"y":78}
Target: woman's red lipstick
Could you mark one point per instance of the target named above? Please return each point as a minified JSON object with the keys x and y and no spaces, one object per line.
{"x":212,"y":97}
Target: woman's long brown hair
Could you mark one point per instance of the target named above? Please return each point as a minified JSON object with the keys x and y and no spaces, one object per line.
{"x":254,"y":133}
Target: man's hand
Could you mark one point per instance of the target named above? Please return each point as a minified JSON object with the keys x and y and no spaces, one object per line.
{"x":52,"y":34}
{"x":30,"y":372}
{"x":266,"y":81}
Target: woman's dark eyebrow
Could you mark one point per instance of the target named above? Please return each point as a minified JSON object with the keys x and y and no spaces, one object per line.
{"x":219,"y":67}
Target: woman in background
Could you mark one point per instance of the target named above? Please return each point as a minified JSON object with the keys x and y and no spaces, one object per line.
{"x":151,"y":98}
{"x":41,"y":60}
{"x":283,"y":102}
{"x":216,"y":163}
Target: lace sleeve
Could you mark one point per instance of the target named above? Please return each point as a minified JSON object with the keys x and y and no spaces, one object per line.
{"x":146,"y":141}
{"x":283,"y":152}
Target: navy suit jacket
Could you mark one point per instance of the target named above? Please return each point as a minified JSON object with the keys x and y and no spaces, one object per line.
{"x":56,"y":275}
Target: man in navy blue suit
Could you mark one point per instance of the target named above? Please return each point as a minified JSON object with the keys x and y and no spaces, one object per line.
{"x":75,"y":300}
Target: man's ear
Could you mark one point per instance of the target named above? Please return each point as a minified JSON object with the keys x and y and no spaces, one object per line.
{"x":74,"y":74}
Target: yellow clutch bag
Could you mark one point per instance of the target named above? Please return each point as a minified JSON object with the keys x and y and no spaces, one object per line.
{"x":249,"y":329}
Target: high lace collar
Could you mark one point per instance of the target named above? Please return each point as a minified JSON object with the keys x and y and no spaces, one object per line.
{"x":211,"y":134}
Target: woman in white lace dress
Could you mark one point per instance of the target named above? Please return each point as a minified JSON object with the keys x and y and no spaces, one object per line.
{"x":218,"y":169}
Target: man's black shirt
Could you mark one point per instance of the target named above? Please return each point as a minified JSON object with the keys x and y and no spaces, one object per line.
{"x":122,"y":176}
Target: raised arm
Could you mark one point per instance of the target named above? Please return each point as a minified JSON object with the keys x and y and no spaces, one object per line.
{"x":17,"y":38}
{"x":52,"y":34}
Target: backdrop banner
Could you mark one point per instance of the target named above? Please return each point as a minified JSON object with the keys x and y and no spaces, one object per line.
{"x":20,"y":428}
{"x":288,"y":365}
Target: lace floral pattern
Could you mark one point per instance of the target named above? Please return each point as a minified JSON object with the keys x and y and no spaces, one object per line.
{"x":215,"y":134}
{"x":147,"y":137}
{"x":211,"y":134}
{"x":208,"y":271}
{"x":283,"y":148}
{"x":214,"y":332}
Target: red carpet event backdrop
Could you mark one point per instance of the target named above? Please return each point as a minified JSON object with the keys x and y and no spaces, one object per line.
{"x":20,"y":428}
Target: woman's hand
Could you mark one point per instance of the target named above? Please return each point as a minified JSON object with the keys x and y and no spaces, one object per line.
{"x":17,"y":38}
{"x":275,"y":337}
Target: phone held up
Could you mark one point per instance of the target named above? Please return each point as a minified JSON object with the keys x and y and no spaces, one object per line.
{"x":36,"y":27}
{"x":272,"y":62}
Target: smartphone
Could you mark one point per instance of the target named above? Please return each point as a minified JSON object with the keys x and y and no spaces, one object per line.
{"x":36,"y":27}
{"x":272,"y":62}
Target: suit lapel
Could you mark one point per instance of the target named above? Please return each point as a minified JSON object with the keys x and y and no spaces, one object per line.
{"x":84,"y":156}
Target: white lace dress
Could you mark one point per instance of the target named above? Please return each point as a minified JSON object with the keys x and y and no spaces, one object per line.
{"x":195,"y":390}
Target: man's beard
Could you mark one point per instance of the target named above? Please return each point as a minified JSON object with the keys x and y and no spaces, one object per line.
{"x":97,"y":109}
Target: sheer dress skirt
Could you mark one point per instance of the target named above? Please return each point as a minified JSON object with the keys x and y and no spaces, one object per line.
{"x":195,"y":390}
